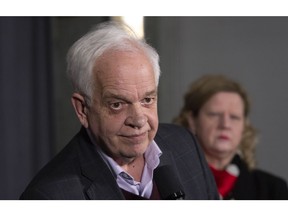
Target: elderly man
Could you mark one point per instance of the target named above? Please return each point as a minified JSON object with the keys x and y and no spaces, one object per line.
{"x":121,"y":151}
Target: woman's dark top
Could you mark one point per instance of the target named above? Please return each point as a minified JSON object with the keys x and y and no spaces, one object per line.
{"x":256,"y":184}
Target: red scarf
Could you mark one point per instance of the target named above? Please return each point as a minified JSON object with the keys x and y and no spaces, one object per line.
{"x":225,"y":179}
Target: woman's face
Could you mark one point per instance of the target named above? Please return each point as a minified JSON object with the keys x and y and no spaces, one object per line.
{"x":220,"y":124}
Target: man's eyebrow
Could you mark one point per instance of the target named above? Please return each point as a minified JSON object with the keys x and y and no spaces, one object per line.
{"x":113,"y":95}
{"x":109,"y":95}
{"x":153,"y":92}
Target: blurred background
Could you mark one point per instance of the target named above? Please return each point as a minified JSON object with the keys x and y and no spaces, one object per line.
{"x":36,"y":116}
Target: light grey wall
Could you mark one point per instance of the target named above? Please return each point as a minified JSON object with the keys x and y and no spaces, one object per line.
{"x":252,"y":50}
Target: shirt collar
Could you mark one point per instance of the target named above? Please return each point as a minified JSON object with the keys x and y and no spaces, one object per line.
{"x":152,"y":156}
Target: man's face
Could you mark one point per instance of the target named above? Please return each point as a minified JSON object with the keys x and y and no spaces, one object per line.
{"x":123,"y":115}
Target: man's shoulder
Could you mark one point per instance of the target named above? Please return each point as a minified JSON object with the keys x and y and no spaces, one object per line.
{"x":167,"y":129}
{"x":64,"y":160}
{"x":180,"y":147}
{"x":58,"y":172}
{"x":178,"y":138}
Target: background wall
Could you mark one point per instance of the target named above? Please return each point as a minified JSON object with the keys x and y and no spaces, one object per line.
{"x":66,"y":30}
{"x":252,"y":50}
{"x":26,"y":129}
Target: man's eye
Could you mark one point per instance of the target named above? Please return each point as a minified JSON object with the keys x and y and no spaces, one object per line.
{"x":148,"y":101}
{"x":116,"y":106}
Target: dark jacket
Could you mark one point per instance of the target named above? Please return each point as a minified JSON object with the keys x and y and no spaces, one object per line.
{"x":257,"y":184}
{"x":78,"y":171}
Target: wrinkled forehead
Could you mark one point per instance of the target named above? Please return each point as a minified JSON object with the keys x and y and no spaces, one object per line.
{"x":120,"y":68}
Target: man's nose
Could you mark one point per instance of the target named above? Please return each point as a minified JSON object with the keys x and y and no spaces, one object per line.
{"x":136,"y":116}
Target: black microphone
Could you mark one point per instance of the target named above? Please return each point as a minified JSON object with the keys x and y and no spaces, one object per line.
{"x":168,"y":183}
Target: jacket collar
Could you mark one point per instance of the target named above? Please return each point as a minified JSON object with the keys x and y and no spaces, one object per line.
{"x":100,"y":183}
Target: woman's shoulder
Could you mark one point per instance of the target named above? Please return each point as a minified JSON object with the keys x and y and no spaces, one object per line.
{"x":267,"y":176}
{"x":275,"y":186}
{"x":258,"y":174}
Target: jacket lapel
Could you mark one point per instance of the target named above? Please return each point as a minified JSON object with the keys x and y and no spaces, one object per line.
{"x":99,"y":182}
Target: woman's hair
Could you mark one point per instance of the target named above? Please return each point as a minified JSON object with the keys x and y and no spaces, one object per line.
{"x":202,"y":90}
{"x":82,"y":56}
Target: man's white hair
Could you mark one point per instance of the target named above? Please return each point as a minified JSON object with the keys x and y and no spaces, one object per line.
{"x":82,"y":56}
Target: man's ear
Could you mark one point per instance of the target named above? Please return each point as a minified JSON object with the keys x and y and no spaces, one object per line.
{"x":191,"y":122}
{"x":80,"y":108}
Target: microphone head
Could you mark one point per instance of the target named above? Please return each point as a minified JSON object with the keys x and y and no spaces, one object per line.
{"x":168,"y":183}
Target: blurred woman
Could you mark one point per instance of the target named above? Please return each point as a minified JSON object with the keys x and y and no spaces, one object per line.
{"x":216,"y":110}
